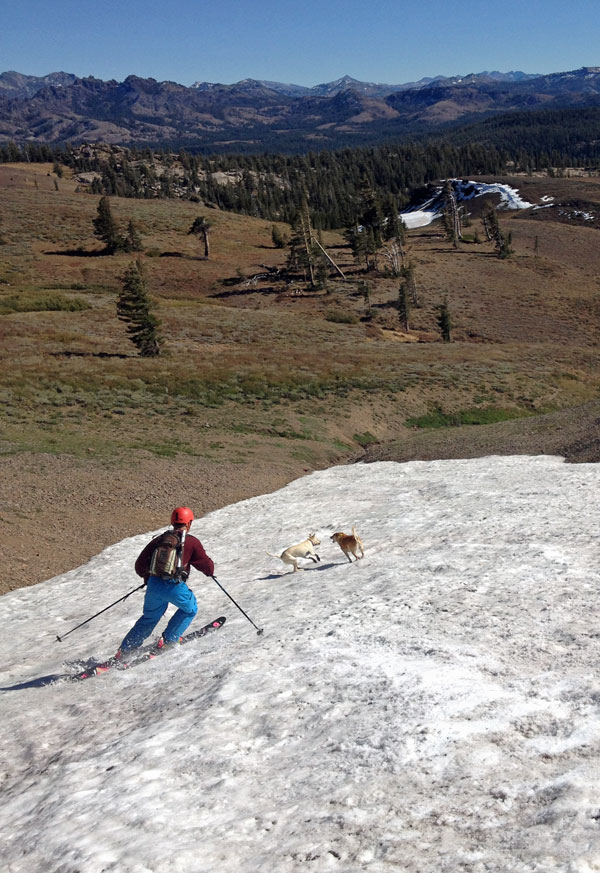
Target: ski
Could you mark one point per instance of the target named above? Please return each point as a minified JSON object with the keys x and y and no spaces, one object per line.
{"x":149,"y":652}
{"x":90,"y":664}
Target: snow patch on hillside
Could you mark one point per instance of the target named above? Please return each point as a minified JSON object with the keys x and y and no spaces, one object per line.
{"x":432,"y":708}
{"x":424,"y":214}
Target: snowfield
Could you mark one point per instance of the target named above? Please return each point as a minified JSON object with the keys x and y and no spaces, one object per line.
{"x":431,"y":708}
{"x":464,"y":190}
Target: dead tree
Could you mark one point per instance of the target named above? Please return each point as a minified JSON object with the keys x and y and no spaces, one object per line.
{"x":393,"y":253}
{"x":329,"y":258}
{"x":307,"y":238}
{"x":486,"y":227}
{"x":451,"y":215}
{"x":305,"y":248}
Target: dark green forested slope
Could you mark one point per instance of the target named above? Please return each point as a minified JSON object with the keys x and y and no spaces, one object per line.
{"x":272,"y":186}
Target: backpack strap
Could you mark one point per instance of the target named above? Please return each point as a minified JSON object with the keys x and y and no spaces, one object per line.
{"x":180,"y":573}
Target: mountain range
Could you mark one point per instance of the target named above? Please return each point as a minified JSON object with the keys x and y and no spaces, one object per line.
{"x":257,"y":114}
{"x":371,"y":89}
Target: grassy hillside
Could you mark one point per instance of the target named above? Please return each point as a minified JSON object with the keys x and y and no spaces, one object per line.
{"x":259,"y":381}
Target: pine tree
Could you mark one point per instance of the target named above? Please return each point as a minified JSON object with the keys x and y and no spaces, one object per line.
{"x":295,"y":257}
{"x":371,"y":222}
{"x":304,"y":254}
{"x":408,"y":274}
{"x":307,"y":236}
{"x":166,"y":184}
{"x":134,"y":307}
{"x":403,"y":306}
{"x":322,"y":275}
{"x":495,"y":235}
{"x":371,"y":216}
{"x":443,"y":320}
{"x":105,"y":227}
{"x":393,"y":228}
{"x":14,"y":152}
{"x":365,"y":290}
{"x":371,"y":246}
{"x":133,"y":239}
{"x":201,"y":227}
{"x":486,"y":227}
{"x":355,"y":238}
{"x":504,"y":248}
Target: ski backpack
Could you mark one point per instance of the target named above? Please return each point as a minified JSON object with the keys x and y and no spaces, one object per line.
{"x":167,"y":557}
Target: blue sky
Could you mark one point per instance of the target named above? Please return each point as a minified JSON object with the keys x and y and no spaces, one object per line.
{"x":302,"y":42}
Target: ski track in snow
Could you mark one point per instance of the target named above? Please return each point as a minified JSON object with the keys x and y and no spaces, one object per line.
{"x":432,"y":708}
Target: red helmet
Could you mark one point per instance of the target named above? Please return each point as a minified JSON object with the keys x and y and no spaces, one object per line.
{"x":182,"y":515}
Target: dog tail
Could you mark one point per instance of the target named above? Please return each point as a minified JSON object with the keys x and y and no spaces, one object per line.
{"x":271,"y":555}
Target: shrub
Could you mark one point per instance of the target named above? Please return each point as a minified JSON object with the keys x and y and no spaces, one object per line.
{"x":365,"y":439}
{"x":279,"y":237}
{"x":489,"y":415}
{"x":43,"y":303}
{"x":339,"y":316}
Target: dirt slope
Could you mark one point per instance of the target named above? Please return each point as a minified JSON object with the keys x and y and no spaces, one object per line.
{"x":573,"y":433}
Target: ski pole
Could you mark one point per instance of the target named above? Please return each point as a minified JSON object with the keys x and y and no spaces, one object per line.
{"x":125,"y":596}
{"x":259,"y":630}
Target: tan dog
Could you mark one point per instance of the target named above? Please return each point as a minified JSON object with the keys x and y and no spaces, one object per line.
{"x":305,"y":549}
{"x":349,"y":544}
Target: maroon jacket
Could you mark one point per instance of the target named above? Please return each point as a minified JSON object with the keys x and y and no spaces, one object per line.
{"x":193,"y":553}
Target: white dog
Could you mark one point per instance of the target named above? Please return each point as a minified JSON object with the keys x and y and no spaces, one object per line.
{"x":305,"y":549}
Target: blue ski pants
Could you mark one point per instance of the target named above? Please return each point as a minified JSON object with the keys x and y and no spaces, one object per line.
{"x":159,"y":594}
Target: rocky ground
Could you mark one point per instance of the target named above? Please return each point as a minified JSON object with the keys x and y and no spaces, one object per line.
{"x":57,"y":511}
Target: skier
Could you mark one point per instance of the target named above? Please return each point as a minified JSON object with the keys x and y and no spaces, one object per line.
{"x":160,"y":591}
